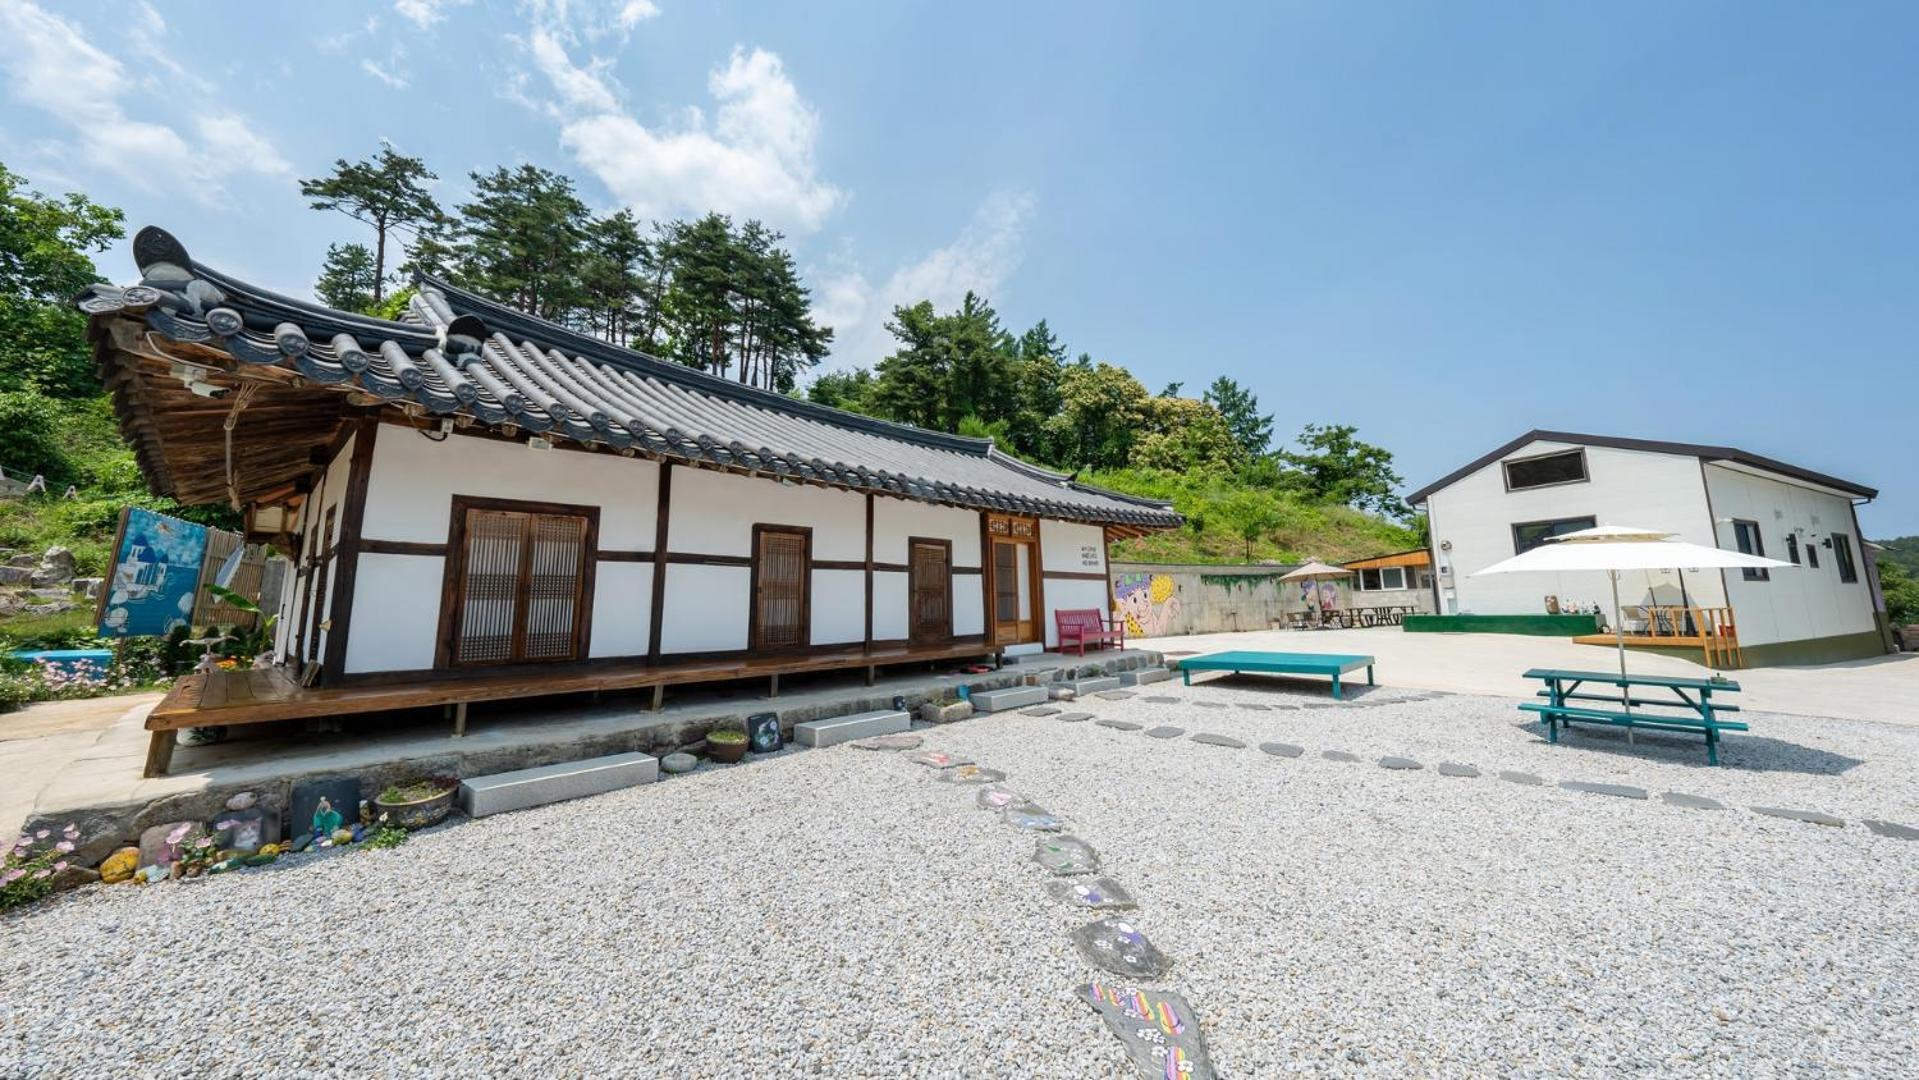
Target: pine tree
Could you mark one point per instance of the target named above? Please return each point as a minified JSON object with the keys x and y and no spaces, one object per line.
{"x":523,"y":241}
{"x":1237,"y":404}
{"x":348,"y":279}
{"x":387,"y":191}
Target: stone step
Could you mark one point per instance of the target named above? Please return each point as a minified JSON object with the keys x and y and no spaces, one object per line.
{"x":1142,"y":676}
{"x":1012,"y":697}
{"x":839,"y":729}
{"x":1094,"y":685}
{"x":525,"y":788}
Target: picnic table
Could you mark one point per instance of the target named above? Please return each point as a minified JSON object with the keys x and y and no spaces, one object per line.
{"x":1688,"y":704}
{"x":1286,"y":663}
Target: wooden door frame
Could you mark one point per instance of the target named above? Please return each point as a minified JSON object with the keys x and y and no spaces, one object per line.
{"x":317,"y":583}
{"x":912,"y":613}
{"x":805,"y":533}
{"x":453,"y":592}
{"x":989,"y":574}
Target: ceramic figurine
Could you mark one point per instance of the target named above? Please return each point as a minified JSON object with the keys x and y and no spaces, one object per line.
{"x":325,"y":818}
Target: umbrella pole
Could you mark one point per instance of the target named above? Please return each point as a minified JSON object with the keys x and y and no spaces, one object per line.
{"x":1619,"y":640}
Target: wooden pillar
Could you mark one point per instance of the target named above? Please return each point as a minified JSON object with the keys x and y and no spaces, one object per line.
{"x":459,"y":720}
{"x":347,"y":556}
{"x":160,"y":752}
{"x":659,"y":696}
{"x":660,"y":517}
{"x":869,"y":578}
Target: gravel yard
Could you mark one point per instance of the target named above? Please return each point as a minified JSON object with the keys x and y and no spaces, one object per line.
{"x":839,"y":912}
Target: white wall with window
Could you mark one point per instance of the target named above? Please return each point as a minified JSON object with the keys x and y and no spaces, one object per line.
{"x":1827,"y":596}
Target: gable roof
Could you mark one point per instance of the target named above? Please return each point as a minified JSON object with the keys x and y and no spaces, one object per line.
{"x":457,"y":354}
{"x":1702,"y":452}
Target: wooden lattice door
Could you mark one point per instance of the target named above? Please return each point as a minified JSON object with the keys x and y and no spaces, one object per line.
{"x":930,"y":591}
{"x":781,"y":593}
{"x":523,"y":586}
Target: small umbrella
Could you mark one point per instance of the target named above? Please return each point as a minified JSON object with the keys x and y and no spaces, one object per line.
{"x":1316,"y":571}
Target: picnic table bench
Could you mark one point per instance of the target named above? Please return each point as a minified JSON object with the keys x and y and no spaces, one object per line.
{"x":1286,"y":663}
{"x":1694,"y":712}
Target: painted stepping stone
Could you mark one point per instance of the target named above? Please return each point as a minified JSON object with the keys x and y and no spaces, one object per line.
{"x":1157,"y":1027}
{"x":1400,"y":763}
{"x":1074,"y":717}
{"x":1165,"y":732}
{"x":1118,"y":725}
{"x":1211,"y":739}
{"x":1120,"y":947}
{"x":998,"y":797}
{"x":1039,"y":710}
{"x":1521,"y":778}
{"x":1891,"y":829}
{"x":1338,"y":755}
{"x":1103,"y":894}
{"x":1254,"y":706}
{"x":939,"y":759}
{"x":1066,"y":856}
{"x":889,"y":742}
{"x":1162,"y":699}
{"x":969,"y":774}
{"x":1032,"y":818}
{"x":1622,"y":791}
{"x":1281,"y":749}
{"x":1212,"y":704}
{"x":1691,"y":802}
{"x":1811,"y":817}
{"x":1448,"y":768}
{"x":1115,"y":695}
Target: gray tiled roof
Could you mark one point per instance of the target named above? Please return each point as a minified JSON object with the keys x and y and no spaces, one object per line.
{"x":460,"y":354}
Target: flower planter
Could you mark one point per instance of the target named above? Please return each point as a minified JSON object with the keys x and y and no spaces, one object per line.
{"x":418,"y":813}
{"x":727,"y":753}
{"x":935,"y":713}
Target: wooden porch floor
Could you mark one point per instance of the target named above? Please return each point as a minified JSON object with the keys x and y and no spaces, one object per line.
{"x":1719,"y":651}
{"x":221,"y":698}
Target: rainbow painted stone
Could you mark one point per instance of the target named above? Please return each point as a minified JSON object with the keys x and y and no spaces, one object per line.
{"x":969,"y":774}
{"x":1066,"y":855}
{"x":938,"y":759}
{"x":1121,"y":948}
{"x":1100,"y":893}
{"x":1157,"y":1027}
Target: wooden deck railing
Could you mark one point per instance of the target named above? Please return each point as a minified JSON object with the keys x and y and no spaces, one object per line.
{"x":1710,"y":628}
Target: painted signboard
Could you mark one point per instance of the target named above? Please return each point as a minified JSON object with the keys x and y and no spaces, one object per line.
{"x":156,"y":570}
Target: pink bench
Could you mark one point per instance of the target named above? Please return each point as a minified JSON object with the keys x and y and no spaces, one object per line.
{"x":1081,"y":627}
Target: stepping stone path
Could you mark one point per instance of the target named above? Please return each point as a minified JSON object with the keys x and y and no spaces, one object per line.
{"x":1161,"y":699}
{"x":1165,"y":732}
{"x":1118,"y":725}
{"x":1074,"y":717}
{"x":1811,"y":817}
{"x":1521,"y":778}
{"x":1891,"y":829}
{"x":969,"y":774}
{"x":1280,"y":749}
{"x":1032,"y":818}
{"x":1158,"y":1028}
{"x":1254,"y":706}
{"x":1621,"y":791}
{"x":1119,"y":947}
{"x":1399,"y":763}
{"x":1065,"y":856}
{"x":889,"y":742}
{"x":1338,"y":755}
{"x":1101,"y":894}
{"x":1691,"y":802}
{"x":998,"y":797}
{"x":1212,"y":704}
{"x":1211,"y":739}
{"x":939,"y":759}
{"x":1039,"y":710}
{"x":1448,"y":768}
{"x":1115,"y":695}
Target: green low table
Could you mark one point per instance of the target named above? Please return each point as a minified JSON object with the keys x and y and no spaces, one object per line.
{"x":1279,"y":663}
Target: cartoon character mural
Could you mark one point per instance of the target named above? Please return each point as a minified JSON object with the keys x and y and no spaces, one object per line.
{"x":1148,"y":603}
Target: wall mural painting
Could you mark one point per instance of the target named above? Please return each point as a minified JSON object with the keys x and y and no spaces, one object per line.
{"x":1328,"y":595}
{"x":1148,"y":603}
{"x":150,"y":589}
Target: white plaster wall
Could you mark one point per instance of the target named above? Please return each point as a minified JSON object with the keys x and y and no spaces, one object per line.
{"x":713,"y":513}
{"x":1624,"y":487}
{"x":707,"y":607}
{"x":1071,"y":547}
{"x":622,"y":609}
{"x":894,"y":520}
{"x":396,"y":613}
{"x":410,"y":495}
{"x":1064,"y":593}
{"x":969,"y":605}
{"x":889,"y":606}
{"x":331,"y":495}
{"x":839,"y":606}
{"x":1795,"y":604}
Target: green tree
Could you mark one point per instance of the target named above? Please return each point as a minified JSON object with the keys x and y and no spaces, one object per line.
{"x":522,"y":241}
{"x":948,"y":367}
{"x":1336,"y":467}
{"x":697,"y":311}
{"x":617,"y":277}
{"x":348,"y":280}
{"x":1102,"y":411}
{"x":45,"y":246}
{"x":1039,"y":364}
{"x":843,"y":390}
{"x":1182,"y":434}
{"x":1250,"y":515}
{"x":1240,"y":407}
{"x":386,"y":191}
{"x":31,"y":439}
{"x":1901,"y":590}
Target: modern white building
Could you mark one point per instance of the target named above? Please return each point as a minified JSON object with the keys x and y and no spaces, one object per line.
{"x":1546,"y":483}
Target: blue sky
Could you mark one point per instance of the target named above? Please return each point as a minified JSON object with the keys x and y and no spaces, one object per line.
{"x":1445,"y":223}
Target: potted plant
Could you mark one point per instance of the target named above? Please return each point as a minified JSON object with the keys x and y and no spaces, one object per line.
{"x":947,"y":709}
{"x":726,"y":744}
{"x":417,"y":803}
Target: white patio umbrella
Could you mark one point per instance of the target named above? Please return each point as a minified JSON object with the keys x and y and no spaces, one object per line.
{"x":1316,"y":571}
{"x":1616,"y":548}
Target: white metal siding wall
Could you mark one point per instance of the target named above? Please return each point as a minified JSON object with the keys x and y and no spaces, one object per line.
{"x":1795,"y":604}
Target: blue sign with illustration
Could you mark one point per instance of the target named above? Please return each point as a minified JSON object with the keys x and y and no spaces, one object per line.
{"x":155,"y":574}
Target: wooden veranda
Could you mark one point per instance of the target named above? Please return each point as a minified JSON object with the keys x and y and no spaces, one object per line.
{"x":1709,"y":629}
{"x":228,"y":698}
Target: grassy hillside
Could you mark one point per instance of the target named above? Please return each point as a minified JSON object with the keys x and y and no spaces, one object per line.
{"x":1297,"y":530}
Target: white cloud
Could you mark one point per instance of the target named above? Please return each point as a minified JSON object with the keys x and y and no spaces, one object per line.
{"x":52,"y":67}
{"x":980,"y":260}
{"x":424,"y":13}
{"x":395,"y":80}
{"x":755,"y":160}
{"x":634,"y":12}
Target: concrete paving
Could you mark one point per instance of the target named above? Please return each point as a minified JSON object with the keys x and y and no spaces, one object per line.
{"x":1883,"y":688}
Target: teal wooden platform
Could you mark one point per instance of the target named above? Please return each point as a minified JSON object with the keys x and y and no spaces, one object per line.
{"x":1279,"y":663}
{"x":1697,"y":712}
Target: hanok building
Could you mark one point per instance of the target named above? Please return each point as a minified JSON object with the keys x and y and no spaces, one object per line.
{"x":484,"y":504}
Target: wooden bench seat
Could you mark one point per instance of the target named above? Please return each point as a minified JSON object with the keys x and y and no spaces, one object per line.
{"x":1081,"y":627}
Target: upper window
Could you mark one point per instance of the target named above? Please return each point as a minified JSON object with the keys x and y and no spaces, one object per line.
{"x":1842,"y":557}
{"x":1812,"y":556}
{"x":1566,"y":467}
{"x":1792,"y":548}
{"x":1746,"y":535}
{"x":1531,"y":534}
{"x":1382,"y":578}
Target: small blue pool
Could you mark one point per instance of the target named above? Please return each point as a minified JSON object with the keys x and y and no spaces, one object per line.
{"x":68,"y":660}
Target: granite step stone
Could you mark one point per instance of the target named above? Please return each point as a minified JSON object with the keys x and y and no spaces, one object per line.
{"x":1209,"y":739}
{"x":1691,"y":802}
{"x":1339,"y":755}
{"x":1165,"y":731}
{"x":522,"y":789}
{"x":1891,"y":829}
{"x":1012,"y":697}
{"x":834,"y":730}
{"x":1811,"y":817}
{"x":1622,"y":791}
{"x":1399,"y":763}
{"x":1453,"y":768}
{"x":1118,"y":725}
{"x":1143,"y":676}
{"x":1520,"y":778}
{"x":1280,"y":749}
{"x":1093,"y":685}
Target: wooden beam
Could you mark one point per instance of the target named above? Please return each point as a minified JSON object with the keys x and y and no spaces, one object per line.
{"x":867,"y":642}
{"x":661,"y":510}
{"x":347,"y":567}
